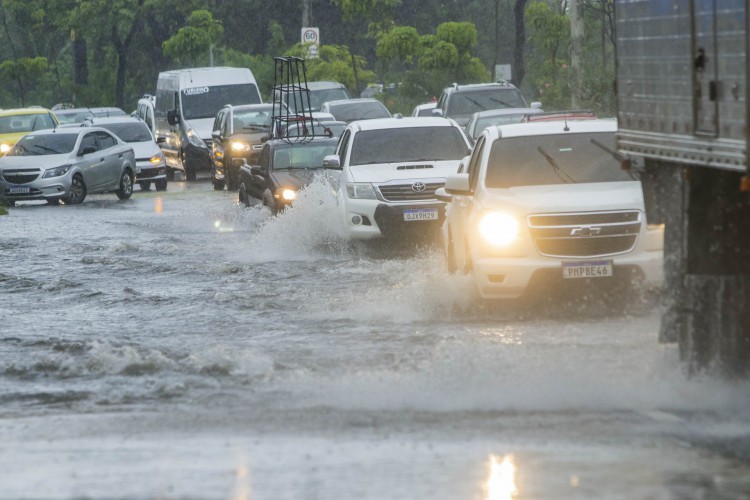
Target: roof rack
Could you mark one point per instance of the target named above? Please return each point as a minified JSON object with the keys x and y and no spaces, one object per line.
{"x":572,"y":114}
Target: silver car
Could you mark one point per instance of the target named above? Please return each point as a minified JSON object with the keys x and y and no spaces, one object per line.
{"x":65,"y":164}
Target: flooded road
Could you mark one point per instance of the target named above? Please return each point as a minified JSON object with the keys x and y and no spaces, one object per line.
{"x":178,"y":345}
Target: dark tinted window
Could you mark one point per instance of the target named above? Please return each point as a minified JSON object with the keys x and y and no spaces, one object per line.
{"x":302,"y":155}
{"x":467,"y":103}
{"x":205,"y":102}
{"x":129,"y":132}
{"x":106,"y":141}
{"x":26,"y":123}
{"x":89,"y":141}
{"x":359,"y":111}
{"x":407,"y":144}
{"x":554,"y":159}
{"x":48,"y":144}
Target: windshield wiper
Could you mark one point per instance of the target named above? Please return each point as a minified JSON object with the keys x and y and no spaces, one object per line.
{"x":506,"y":104}
{"x":617,"y":156}
{"x":562,"y":174}
{"x":256,"y":127}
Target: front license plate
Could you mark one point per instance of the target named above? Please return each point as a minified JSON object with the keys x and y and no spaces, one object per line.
{"x":421,"y":214}
{"x":19,"y":190}
{"x":592,"y":269}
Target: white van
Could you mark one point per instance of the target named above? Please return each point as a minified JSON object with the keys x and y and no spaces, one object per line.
{"x":187,"y":101}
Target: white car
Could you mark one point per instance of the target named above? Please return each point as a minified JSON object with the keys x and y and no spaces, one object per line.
{"x":66,"y":164}
{"x":548,"y":202}
{"x":387,"y":171}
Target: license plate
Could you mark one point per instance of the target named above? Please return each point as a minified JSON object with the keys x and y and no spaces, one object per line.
{"x":19,"y":190}
{"x":592,"y":269}
{"x":421,"y":214}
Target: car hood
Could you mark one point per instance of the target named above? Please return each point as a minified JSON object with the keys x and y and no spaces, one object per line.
{"x":42,"y":162}
{"x":626,"y":195}
{"x":384,"y":172}
{"x":144,"y":149}
{"x":202,"y":126}
{"x":295,"y":178}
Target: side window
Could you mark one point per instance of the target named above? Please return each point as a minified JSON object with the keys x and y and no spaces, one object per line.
{"x":217,"y":121}
{"x":475,"y":161}
{"x":226,"y":124}
{"x":343,"y":146}
{"x":265,"y":155}
{"x":106,"y":141}
{"x":89,"y":140}
{"x":150,"y":118}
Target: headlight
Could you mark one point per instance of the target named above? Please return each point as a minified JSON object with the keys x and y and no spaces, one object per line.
{"x":156,"y":159}
{"x":57,"y":171}
{"x":288,"y":194}
{"x":498,"y":229}
{"x":361,"y":190}
{"x":194,"y":139}
{"x":4,"y":148}
{"x":240,"y":146}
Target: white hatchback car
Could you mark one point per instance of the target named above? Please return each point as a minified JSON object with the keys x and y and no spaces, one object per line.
{"x":548,"y":201}
{"x":389,"y":170}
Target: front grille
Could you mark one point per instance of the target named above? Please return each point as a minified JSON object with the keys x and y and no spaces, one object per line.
{"x":588,"y":234}
{"x":410,"y":192}
{"x":20,"y":176}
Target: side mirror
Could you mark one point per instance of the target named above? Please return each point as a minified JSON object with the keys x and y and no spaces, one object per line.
{"x":332,"y":162}
{"x":256,"y":170}
{"x":442,"y":195}
{"x":437,"y":112}
{"x":536,"y":104}
{"x":173,"y":117}
{"x":87,"y":150}
{"x":216,"y":134}
{"x":161,"y":139}
{"x":458,"y":184}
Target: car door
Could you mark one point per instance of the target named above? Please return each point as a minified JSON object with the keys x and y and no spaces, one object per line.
{"x":462,"y":205}
{"x":217,"y":144}
{"x":258,"y":183}
{"x":113,"y":156}
{"x":91,"y":164}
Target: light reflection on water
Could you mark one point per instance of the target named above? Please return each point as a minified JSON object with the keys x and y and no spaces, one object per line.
{"x":501,"y":483}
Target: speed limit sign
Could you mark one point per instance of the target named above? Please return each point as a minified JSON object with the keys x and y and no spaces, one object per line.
{"x":310,"y":36}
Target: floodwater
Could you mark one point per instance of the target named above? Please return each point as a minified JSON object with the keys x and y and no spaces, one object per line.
{"x":178,"y":345}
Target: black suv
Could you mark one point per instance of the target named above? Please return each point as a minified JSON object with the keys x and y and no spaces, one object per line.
{"x":238,"y":135}
{"x":461,"y":101}
{"x":283,"y":168}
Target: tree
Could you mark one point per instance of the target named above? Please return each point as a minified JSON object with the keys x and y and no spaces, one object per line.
{"x":23,"y":71}
{"x":519,"y":69}
{"x":196,"y":40}
{"x":337,"y":63}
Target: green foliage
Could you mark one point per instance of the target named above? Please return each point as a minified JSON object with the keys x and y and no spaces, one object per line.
{"x":192,"y":43}
{"x":24,"y":71}
{"x":261,"y":65}
{"x":401,"y":43}
{"x":463,"y":36}
{"x":366,"y":9}
{"x":335,"y":62}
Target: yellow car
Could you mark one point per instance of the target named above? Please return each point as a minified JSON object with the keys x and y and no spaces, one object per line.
{"x":16,"y":123}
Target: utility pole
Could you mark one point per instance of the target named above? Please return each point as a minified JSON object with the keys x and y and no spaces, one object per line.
{"x":307,"y":13}
{"x":576,"y":51}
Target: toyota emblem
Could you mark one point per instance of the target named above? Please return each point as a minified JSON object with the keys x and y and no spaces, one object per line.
{"x":418,"y":187}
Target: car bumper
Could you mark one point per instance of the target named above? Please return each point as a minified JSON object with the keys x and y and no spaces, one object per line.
{"x":368,"y":219}
{"x":509,"y":278}
{"x":146,"y":171}
{"x":38,"y":189}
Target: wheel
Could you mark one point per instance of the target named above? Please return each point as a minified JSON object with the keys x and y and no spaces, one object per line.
{"x":451,"y":255}
{"x":232,"y":179}
{"x":77,"y":191}
{"x":190,"y":173}
{"x":145,"y":185}
{"x":161,"y":185}
{"x":243,"y":195}
{"x":268,"y":202}
{"x":53,"y":201}
{"x":126,"y":186}
{"x":218,"y":184}
{"x":170,"y":174}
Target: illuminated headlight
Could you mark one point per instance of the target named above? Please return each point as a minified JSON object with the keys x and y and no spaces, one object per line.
{"x":361,"y":191}
{"x":4,"y":148}
{"x":288,"y":194}
{"x":57,"y":171}
{"x":156,"y":159}
{"x":498,"y":229}
{"x":194,"y":139}
{"x":240,"y":146}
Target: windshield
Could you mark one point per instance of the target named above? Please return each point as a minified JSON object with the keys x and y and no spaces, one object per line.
{"x":251,"y":120}
{"x":407,"y":144}
{"x":554,"y":159}
{"x":73,"y":116}
{"x":129,"y":132}
{"x":492,"y":121}
{"x":302,"y":155}
{"x":467,"y":103}
{"x":25,"y":123}
{"x":40,"y":145}
{"x":205,"y":102}
{"x":359,"y":111}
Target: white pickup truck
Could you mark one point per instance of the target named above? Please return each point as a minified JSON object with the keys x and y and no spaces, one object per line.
{"x":386,"y":171}
{"x":548,"y":202}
